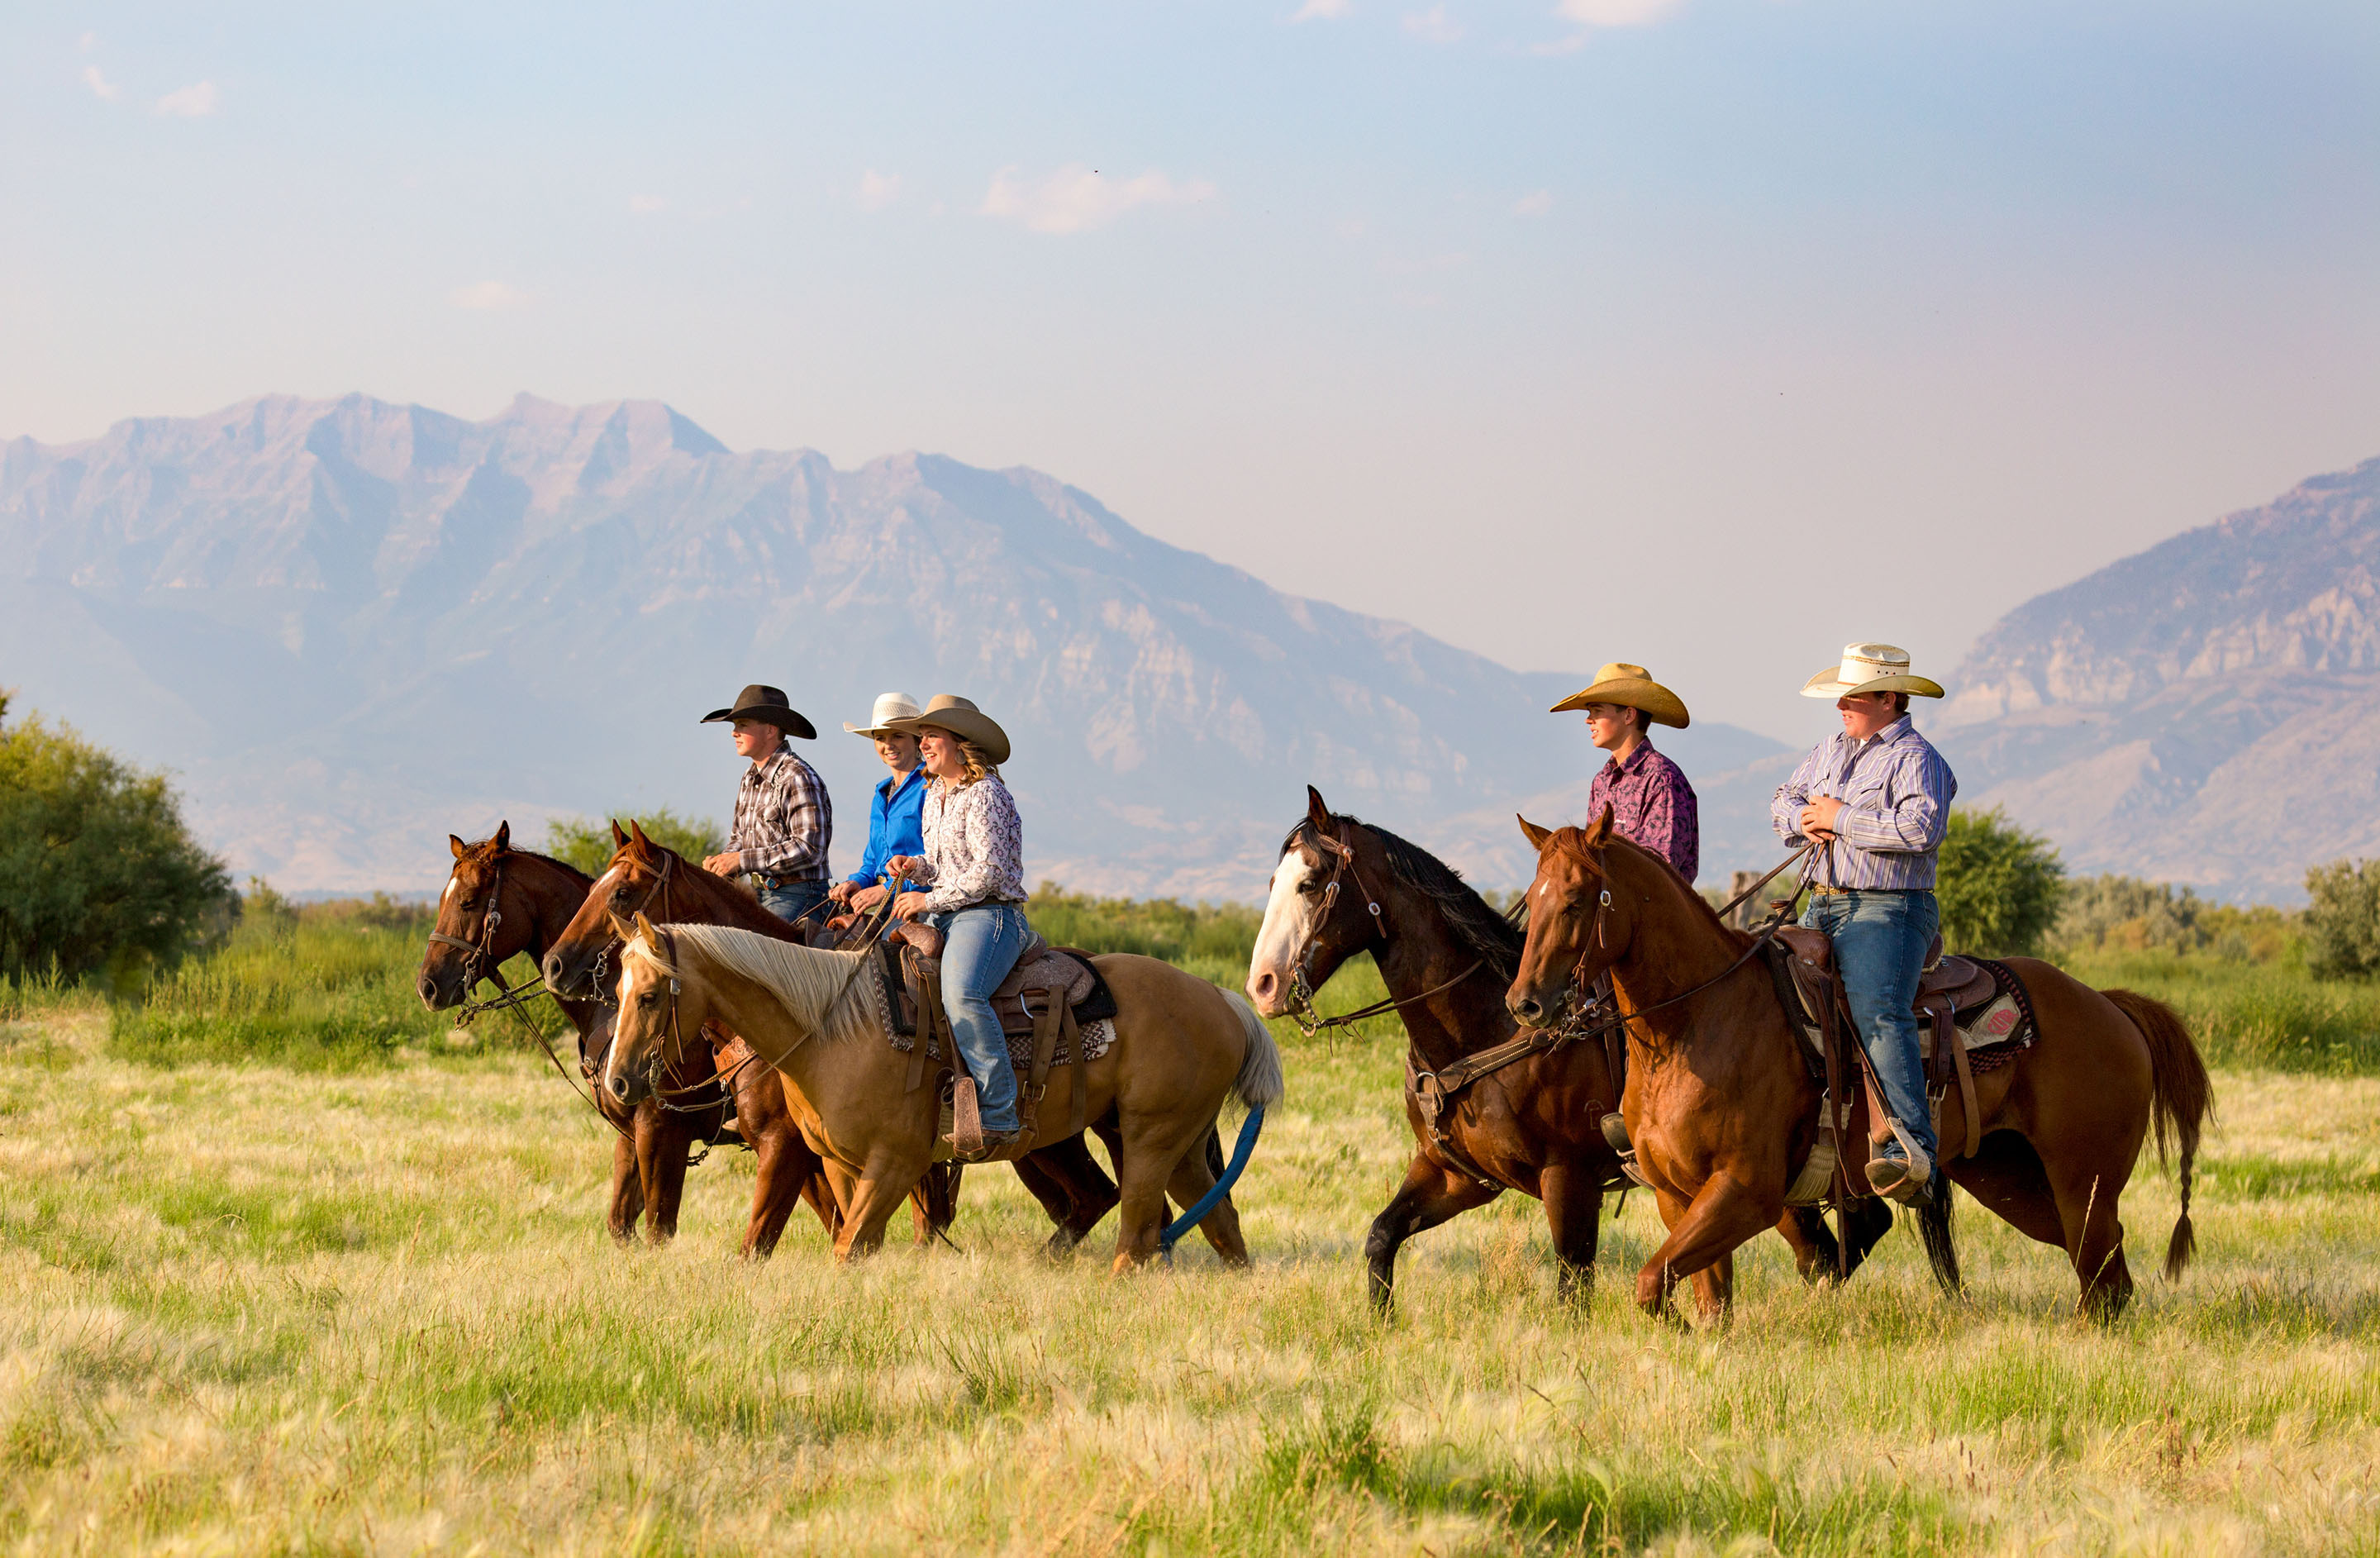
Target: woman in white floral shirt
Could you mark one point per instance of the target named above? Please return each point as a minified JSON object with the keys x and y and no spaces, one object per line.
{"x":973,"y":881}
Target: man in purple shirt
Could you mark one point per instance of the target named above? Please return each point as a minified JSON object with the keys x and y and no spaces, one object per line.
{"x":1875,"y":803}
{"x":1652,"y":804}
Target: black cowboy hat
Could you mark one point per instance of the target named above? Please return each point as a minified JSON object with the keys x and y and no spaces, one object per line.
{"x":767,"y":704}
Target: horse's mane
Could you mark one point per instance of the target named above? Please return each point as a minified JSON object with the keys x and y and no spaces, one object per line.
{"x":817,"y":986}
{"x":1476,"y":925}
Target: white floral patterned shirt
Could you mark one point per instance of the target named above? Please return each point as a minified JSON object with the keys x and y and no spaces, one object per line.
{"x":975,"y":846}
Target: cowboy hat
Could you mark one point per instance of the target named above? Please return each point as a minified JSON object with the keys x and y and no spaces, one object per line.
{"x":768,"y":705}
{"x":954,"y":715}
{"x":890,"y":706}
{"x":1633,"y":686}
{"x":1870,"y":668}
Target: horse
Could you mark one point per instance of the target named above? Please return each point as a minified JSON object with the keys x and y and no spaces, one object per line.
{"x":1532,"y":1123}
{"x":649,"y":878}
{"x":1180,"y":1048}
{"x":1723,"y":1110}
{"x":500,"y":902}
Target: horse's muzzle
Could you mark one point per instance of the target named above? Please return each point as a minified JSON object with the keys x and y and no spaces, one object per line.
{"x":1527,"y":1010}
{"x":1264,"y":990}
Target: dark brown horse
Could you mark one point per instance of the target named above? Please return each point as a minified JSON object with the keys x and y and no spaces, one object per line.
{"x":1068,"y":1182}
{"x":1723,"y":1112}
{"x":501,"y":902}
{"x":1532,"y":1125}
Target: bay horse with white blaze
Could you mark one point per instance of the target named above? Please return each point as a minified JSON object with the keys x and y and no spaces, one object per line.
{"x":1723,"y":1110}
{"x":1532,"y":1123}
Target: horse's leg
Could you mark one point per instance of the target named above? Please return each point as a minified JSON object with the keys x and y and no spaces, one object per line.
{"x":878,"y":1191}
{"x":1714,"y":1285}
{"x":1428,"y":1197}
{"x":2087,"y":1191}
{"x":1722,"y":1216}
{"x":783,"y":1173}
{"x":1153,"y":1148}
{"x":1573,"y":1198}
{"x":671,"y":1135}
{"x":1070,"y":1172}
{"x":2006,"y":1175}
{"x":627,"y":1189}
{"x":1816,"y":1255}
{"x":1193,"y":1178}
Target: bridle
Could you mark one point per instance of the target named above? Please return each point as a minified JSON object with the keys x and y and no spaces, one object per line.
{"x":1301,"y":988}
{"x":480,"y":962}
{"x":604,"y":996}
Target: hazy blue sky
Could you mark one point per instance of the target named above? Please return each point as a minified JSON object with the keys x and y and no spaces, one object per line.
{"x":1621,"y":330}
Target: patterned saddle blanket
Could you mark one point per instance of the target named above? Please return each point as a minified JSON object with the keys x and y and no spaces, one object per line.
{"x":908,"y":969}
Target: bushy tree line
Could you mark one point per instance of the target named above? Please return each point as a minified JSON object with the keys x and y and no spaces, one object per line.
{"x":2343,"y":920}
{"x":586,"y":842}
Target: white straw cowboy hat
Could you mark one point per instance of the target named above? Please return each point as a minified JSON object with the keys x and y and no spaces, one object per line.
{"x":890,"y":706}
{"x":1633,"y":687}
{"x":1870,"y":668}
{"x":958,"y":717}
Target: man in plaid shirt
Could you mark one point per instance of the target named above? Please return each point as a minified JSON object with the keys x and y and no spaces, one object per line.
{"x":784,"y":820}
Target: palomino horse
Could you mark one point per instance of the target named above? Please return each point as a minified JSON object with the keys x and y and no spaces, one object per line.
{"x":650,"y":879}
{"x":1180,"y":1048}
{"x":1532,"y":1124}
{"x":500,"y":902}
{"x":1723,"y":1112}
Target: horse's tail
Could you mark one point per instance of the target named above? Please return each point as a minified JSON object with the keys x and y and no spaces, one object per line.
{"x":2182,"y":1100}
{"x":1259,"y":1084}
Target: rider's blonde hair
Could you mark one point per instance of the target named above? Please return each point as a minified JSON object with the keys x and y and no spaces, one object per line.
{"x":979,"y":763}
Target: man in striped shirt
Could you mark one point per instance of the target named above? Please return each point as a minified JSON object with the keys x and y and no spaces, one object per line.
{"x":1874,"y":802}
{"x":784,"y":820}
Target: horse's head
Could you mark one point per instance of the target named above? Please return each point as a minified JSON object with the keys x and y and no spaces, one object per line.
{"x":1577,"y":925}
{"x":657,"y":1008}
{"x":630,"y":884}
{"x":1317,"y":915}
{"x":479,"y":921}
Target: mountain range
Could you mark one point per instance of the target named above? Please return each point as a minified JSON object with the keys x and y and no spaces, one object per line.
{"x":352,"y":627}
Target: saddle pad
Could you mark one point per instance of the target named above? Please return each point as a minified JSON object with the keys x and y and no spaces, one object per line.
{"x":1058,"y":968}
{"x":1098,"y":1037}
{"x":2003,"y":1024}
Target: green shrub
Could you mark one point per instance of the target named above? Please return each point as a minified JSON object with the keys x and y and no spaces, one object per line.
{"x":1208,"y":939}
{"x":2343,"y":920}
{"x":588,"y":844}
{"x":97,"y":871}
{"x":2000,"y":887}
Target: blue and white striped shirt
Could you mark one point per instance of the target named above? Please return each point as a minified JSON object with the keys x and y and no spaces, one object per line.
{"x":1896,"y":792}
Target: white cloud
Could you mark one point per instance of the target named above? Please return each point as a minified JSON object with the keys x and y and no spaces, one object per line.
{"x":1614,"y":13}
{"x":193,"y":101}
{"x":1433,"y":26}
{"x":645,"y":205}
{"x":488,"y":295}
{"x":99,"y":85}
{"x":1325,"y":10}
{"x":878,"y":190}
{"x":1077,"y":199}
{"x":1536,"y":202}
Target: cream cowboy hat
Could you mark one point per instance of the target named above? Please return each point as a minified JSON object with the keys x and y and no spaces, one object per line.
{"x":1633,"y":687}
{"x":1870,"y":668}
{"x":961,"y":718}
{"x":890,"y":706}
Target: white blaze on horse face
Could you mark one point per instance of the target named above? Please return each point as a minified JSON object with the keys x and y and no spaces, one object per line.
{"x":1289,"y":916}
{"x":452,"y":881}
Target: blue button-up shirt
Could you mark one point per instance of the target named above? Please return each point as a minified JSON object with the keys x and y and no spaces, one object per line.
{"x":895,"y":823}
{"x":1896,"y":792}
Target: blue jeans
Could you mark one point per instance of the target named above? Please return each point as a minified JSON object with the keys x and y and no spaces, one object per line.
{"x":1880,"y":941}
{"x":980,"y":948}
{"x":795,"y":899}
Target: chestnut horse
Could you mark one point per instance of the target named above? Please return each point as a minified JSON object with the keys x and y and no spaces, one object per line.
{"x":500,"y":902}
{"x":1723,"y":1112}
{"x":1180,"y":1047}
{"x":1068,"y":1182}
{"x":1532,"y":1125}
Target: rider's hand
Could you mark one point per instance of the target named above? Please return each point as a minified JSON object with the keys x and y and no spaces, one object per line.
{"x":903,"y":865}
{"x":1818,"y":817}
{"x":840,"y":893}
{"x":729,"y":864}
{"x":867,"y":898}
{"x":909,"y":906}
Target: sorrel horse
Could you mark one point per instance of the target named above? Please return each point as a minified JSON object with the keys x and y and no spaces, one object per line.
{"x":650,"y":879}
{"x":1722,"y":1109}
{"x":1180,"y":1048}
{"x":1531,"y":1125}
{"x":501,"y":902}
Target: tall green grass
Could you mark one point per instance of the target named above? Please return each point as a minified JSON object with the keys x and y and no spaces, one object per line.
{"x":2271,"y":1016}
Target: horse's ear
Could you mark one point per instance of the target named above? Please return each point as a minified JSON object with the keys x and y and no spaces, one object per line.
{"x":503,"y":836}
{"x":1598,"y":832}
{"x":637,"y":832}
{"x":1316,"y":812}
{"x":645,"y":928}
{"x":619,"y":839}
{"x":457,"y":845}
{"x":1534,"y":833}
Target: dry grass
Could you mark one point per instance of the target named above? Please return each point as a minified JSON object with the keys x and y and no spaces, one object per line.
{"x":250,"y":1308}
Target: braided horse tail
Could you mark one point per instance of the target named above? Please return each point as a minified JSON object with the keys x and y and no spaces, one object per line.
{"x":2182,"y":1100}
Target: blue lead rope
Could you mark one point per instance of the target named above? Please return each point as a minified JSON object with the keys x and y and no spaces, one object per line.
{"x":1241,"y":1151}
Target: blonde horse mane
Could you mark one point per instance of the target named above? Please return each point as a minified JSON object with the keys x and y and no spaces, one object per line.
{"x":827,"y":992}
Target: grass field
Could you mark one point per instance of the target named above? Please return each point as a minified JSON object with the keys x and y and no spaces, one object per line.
{"x":354,"y":1297}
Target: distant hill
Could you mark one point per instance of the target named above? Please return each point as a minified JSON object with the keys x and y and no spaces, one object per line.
{"x":355,"y":627}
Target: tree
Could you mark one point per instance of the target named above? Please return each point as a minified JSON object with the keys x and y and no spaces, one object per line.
{"x":97,"y":869}
{"x":2000,"y":887}
{"x":2343,"y":921}
{"x":587,"y":844}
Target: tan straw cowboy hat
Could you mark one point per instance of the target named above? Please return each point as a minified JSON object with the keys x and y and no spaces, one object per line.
{"x":890,"y":706}
{"x":1870,"y":668}
{"x":768,"y":705}
{"x":1633,"y":686}
{"x":961,"y":718}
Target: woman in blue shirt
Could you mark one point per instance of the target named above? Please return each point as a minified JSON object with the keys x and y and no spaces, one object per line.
{"x":894,"y":817}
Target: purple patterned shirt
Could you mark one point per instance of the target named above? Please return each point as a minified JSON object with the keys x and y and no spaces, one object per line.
{"x":1652,"y":807}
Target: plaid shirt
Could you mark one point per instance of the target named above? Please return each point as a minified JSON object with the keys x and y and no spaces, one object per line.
{"x":1896,"y":792}
{"x":784,"y":820}
{"x":1652,"y":807}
